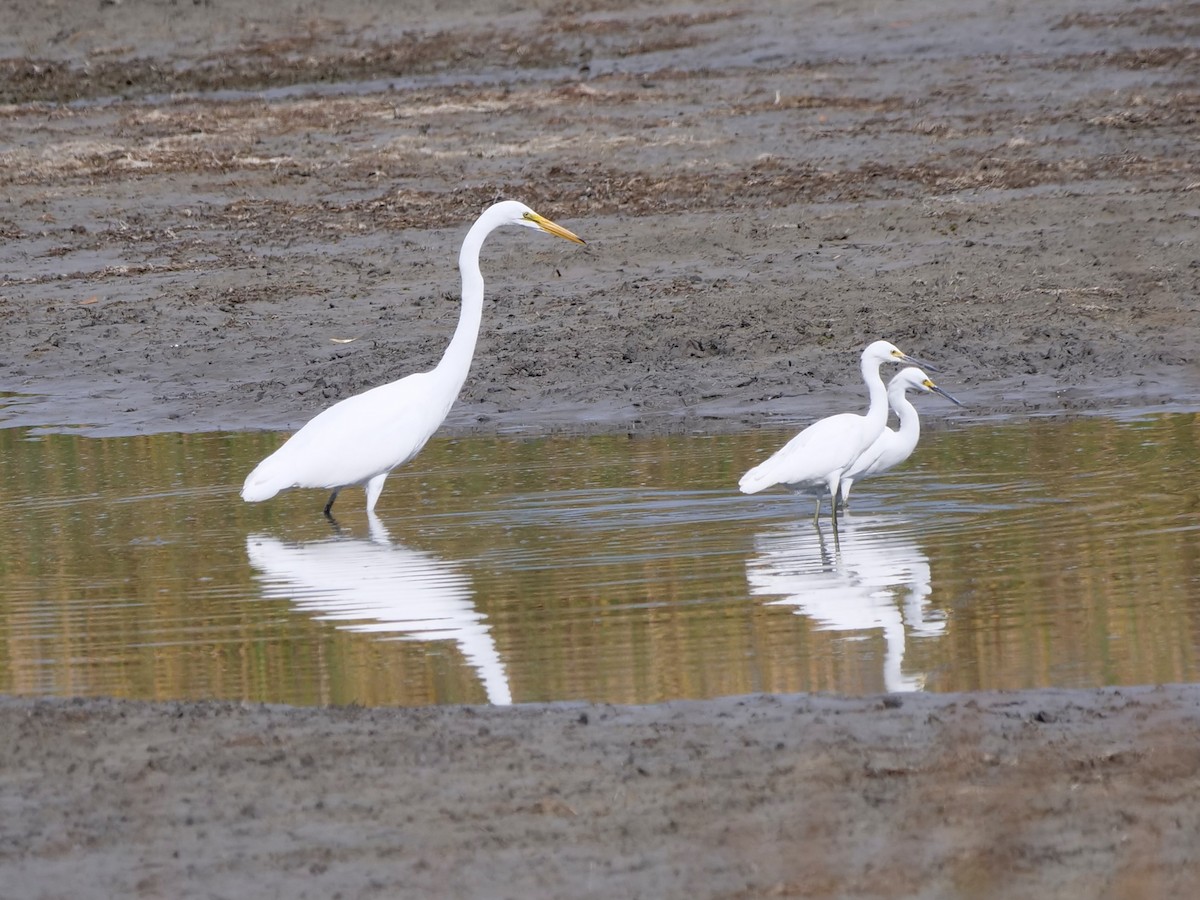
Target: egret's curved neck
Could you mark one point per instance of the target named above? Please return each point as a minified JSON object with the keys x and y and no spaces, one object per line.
{"x":456,"y":361}
{"x":910,"y":422}
{"x":877,"y":391}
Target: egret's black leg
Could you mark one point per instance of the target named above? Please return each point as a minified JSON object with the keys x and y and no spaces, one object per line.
{"x":329,"y":505}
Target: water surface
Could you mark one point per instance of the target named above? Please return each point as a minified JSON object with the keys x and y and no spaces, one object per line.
{"x":613,"y":568}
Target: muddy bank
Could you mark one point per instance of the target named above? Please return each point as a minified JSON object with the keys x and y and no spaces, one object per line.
{"x":1046,"y":794}
{"x":217,"y":220}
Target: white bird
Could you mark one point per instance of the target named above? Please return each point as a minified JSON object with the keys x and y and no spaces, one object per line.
{"x":813,"y":461}
{"x":893,"y":447}
{"x":359,"y":440}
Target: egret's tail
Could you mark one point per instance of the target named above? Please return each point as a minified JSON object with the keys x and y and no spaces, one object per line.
{"x":259,"y":486}
{"x":754,"y":481}
{"x":256,"y":493}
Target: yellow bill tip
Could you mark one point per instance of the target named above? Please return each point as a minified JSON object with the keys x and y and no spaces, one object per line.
{"x":553,"y":228}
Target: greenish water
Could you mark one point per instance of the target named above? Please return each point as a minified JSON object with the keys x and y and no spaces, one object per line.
{"x":1045,"y":553}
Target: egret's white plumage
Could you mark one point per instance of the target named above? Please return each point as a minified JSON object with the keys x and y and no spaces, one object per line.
{"x":813,"y":461}
{"x":359,"y":440}
{"x":893,"y":447}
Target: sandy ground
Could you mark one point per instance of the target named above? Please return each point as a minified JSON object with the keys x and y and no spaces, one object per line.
{"x":223,"y":215}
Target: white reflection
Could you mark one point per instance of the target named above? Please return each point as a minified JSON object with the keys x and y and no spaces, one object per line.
{"x":870,"y":578}
{"x":380,"y":587}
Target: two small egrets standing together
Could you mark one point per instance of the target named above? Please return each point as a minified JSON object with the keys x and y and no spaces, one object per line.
{"x":831,"y":453}
{"x":360,"y":440}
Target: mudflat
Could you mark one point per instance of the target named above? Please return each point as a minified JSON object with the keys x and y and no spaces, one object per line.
{"x":1038,"y":793}
{"x":229,"y":216}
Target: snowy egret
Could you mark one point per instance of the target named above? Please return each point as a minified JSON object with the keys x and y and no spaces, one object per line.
{"x":359,"y":440}
{"x":893,"y":447}
{"x":813,"y":461}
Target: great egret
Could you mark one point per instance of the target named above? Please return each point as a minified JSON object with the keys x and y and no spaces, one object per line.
{"x":813,"y":461}
{"x":893,"y":447}
{"x":359,"y":440}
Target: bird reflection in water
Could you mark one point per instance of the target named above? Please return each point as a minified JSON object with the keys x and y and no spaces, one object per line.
{"x":870,"y":578}
{"x":382,"y":588}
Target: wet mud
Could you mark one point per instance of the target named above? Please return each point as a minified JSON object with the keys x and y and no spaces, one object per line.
{"x":1046,"y":794}
{"x":228,"y":221}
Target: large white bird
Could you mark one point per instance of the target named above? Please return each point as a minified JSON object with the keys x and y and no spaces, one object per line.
{"x":813,"y":461}
{"x":359,"y":440}
{"x":893,"y":447}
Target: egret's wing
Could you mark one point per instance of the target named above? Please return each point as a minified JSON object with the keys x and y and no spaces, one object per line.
{"x":353,"y":440}
{"x":823,"y":447}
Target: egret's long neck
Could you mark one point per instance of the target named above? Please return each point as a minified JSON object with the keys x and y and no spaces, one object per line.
{"x":456,"y":361}
{"x":877,"y":391}
{"x":910,"y":422}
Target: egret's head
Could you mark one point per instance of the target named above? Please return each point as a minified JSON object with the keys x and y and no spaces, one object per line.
{"x":520,"y":214}
{"x":911,"y":379}
{"x":916,"y":380}
{"x":884,"y":351}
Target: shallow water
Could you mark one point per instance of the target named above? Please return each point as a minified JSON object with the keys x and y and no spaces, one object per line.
{"x":1044,"y":553}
